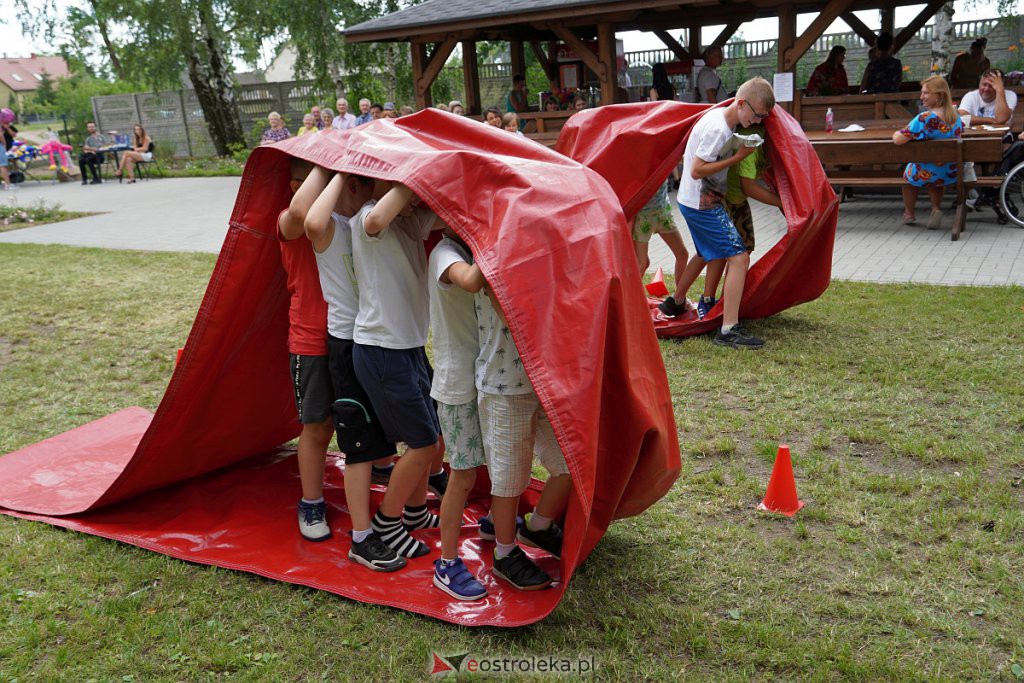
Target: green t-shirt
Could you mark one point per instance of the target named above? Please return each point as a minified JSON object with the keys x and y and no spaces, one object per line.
{"x":752,"y":167}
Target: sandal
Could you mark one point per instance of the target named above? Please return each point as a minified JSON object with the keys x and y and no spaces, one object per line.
{"x":909,"y":218}
{"x":935,"y":220}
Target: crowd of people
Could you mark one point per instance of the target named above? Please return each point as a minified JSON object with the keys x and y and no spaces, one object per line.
{"x":516,"y":102}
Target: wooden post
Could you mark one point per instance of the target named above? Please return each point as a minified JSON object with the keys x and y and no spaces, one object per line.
{"x":184,"y":122}
{"x":470,"y":77}
{"x":787,"y":36}
{"x":887,"y":15}
{"x":607,"y":56}
{"x":419,"y":63}
{"x":693,"y":38}
{"x":801,"y":45}
{"x":518,"y":57}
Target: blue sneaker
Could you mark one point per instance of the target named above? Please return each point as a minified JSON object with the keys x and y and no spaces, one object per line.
{"x":456,"y":580}
{"x":704,"y":307}
{"x":486,"y":530}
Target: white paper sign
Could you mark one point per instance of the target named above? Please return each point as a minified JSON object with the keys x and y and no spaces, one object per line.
{"x":783,"y":86}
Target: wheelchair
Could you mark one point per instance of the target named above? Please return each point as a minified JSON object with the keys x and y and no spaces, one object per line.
{"x":1008,"y":199}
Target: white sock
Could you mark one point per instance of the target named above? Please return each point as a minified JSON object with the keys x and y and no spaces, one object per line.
{"x":536,"y":522}
{"x":446,"y":562}
{"x":502,"y":550}
{"x":727,"y":328}
{"x":313,"y":502}
{"x":360,"y":536}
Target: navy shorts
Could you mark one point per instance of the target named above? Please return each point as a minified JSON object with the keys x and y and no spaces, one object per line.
{"x":714,"y":235}
{"x":398,"y":382}
{"x":360,"y":433}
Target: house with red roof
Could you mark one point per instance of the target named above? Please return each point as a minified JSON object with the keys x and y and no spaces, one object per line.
{"x":20,"y":77}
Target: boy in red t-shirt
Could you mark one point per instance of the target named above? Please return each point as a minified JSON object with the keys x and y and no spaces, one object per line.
{"x":307,"y":347}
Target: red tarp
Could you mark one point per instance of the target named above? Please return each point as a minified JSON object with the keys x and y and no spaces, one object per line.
{"x":652,"y":136}
{"x":546,"y":231}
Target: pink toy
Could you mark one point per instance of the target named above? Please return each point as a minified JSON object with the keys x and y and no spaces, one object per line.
{"x":58,"y":152}
{"x":6,"y":115}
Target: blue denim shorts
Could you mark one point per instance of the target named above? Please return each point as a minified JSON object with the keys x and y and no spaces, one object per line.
{"x":398,"y":384}
{"x":3,"y":155}
{"x":714,"y":235}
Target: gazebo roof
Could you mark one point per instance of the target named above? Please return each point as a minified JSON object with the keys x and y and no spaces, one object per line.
{"x":514,"y":19}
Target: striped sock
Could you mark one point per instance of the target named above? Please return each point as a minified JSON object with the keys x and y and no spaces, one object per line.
{"x":417,"y":517}
{"x":396,"y":537}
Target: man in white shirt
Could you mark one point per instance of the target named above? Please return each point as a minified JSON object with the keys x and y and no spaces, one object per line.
{"x":709,"y":83}
{"x":991,"y":103}
{"x":343,"y":120}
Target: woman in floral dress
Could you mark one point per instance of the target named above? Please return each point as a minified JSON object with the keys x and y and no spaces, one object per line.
{"x":939,"y":121}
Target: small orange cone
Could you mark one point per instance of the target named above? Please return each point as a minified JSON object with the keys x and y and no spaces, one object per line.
{"x":656,"y":287}
{"x":781,"y":495}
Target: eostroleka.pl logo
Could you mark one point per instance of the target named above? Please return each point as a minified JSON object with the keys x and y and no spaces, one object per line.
{"x":443,"y":665}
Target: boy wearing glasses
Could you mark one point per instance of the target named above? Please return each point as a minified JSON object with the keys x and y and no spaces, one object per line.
{"x":710,"y":152}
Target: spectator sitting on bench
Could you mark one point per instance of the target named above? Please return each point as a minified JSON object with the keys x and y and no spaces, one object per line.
{"x":991,"y":103}
{"x":139,"y":152}
{"x":939,"y":121}
{"x":91,"y":157}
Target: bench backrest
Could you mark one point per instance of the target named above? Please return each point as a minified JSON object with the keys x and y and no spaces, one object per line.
{"x":874,"y":152}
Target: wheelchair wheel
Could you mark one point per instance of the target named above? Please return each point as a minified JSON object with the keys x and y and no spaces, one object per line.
{"x":1011,"y":195}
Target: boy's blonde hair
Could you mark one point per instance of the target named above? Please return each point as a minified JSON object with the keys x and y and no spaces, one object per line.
{"x":758,"y":90}
{"x":508,"y":118}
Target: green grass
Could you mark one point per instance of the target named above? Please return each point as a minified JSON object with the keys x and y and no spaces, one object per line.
{"x":13,"y":217}
{"x":902,"y":404}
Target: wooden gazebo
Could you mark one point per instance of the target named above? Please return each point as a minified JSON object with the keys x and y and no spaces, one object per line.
{"x":588,"y":27}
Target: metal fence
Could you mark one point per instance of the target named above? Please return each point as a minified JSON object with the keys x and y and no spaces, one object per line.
{"x":174,"y":119}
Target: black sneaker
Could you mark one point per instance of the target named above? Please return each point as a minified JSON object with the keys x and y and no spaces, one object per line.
{"x":548,"y":540}
{"x":375,"y":554}
{"x":520,"y":571}
{"x":96,"y":181}
{"x":738,"y":338}
{"x":313,"y":521}
{"x":85,"y":182}
{"x":670,"y":308}
{"x":438,"y":483}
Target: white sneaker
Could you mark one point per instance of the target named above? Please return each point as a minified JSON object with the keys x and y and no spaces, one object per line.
{"x":972,"y":199}
{"x":313,"y":521}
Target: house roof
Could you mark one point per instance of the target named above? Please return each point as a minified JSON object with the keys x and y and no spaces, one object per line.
{"x":23,"y":74}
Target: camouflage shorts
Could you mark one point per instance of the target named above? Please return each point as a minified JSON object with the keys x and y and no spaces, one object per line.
{"x":651,"y":221}
{"x":741,"y":217}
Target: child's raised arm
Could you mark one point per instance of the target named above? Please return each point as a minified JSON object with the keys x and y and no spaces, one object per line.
{"x":318,"y":224}
{"x":465,"y":276}
{"x":291,"y":223}
{"x":394,"y":202}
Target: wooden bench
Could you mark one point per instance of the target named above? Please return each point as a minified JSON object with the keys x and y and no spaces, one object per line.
{"x":859,"y":163}
{"x":547,"y":138}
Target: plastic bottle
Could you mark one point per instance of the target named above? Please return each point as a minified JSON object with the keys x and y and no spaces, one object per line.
{"x":829,"y":118}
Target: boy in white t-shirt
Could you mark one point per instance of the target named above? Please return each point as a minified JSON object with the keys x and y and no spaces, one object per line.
{"x":515,"y":427}
{"x":359,"y":432}
{"x":389,"y":356}
{"x":453,"y":281}
{"x":710,"y":151}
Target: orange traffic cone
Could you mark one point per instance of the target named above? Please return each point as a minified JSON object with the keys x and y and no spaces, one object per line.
{"x":781,"y":495}
{"x":656,"y":287}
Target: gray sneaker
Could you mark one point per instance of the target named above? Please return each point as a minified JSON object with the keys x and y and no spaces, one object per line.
{"x":738,"y":338}
{"x":313,"y":521}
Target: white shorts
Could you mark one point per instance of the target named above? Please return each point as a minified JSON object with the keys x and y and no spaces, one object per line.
{"x":514,"y":429}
